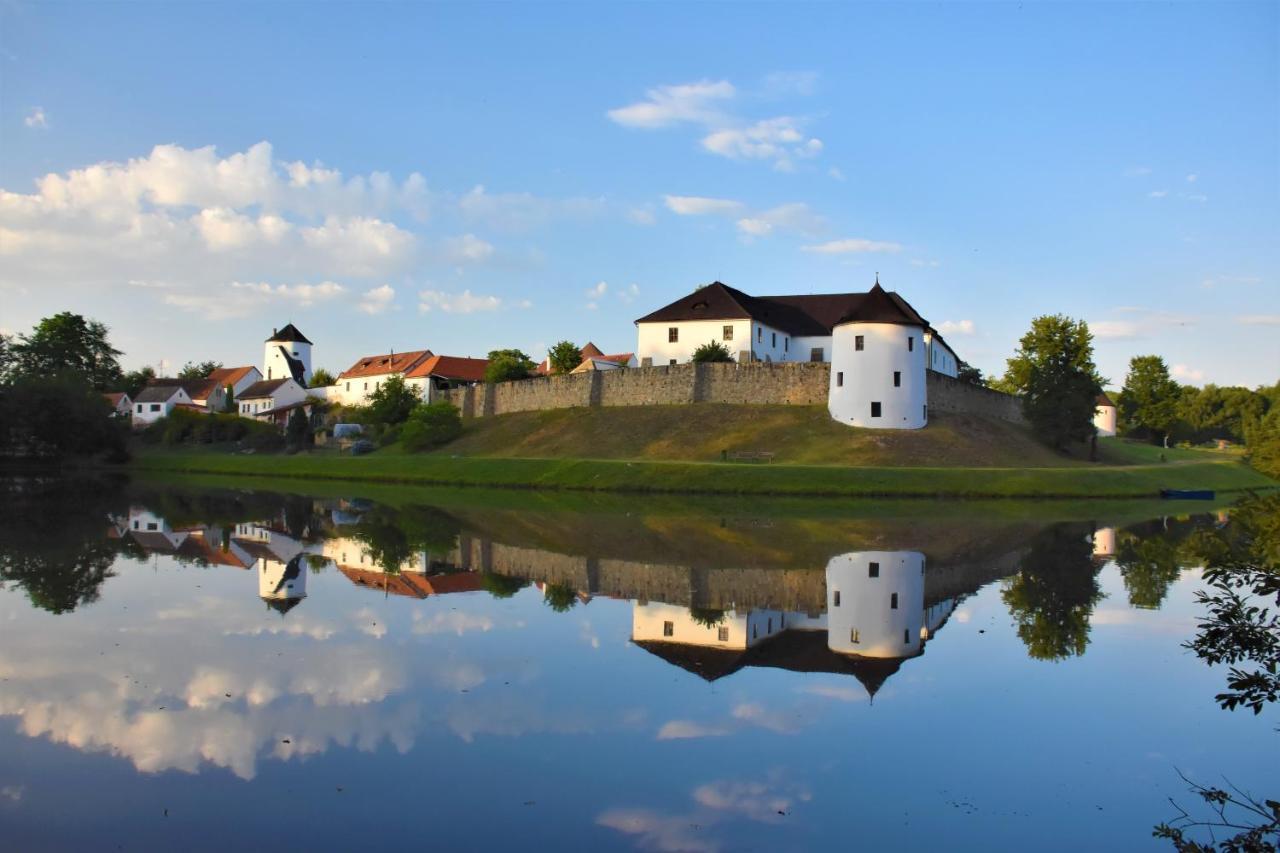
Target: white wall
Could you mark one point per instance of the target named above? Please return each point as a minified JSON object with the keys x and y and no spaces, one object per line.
{"x":270,"y":573}
{"x":288,"y":393}
{"x":765,"y":342}
{"x":865,"y":622}
{"x":1104,"y":418}
{"x":146,"y":413}
{"x":800,"y":347}
{"x":274,"y":365}
{"x":941,"y":358}
{"x":859,"y":378}
{"x":356,"y":391}
{"x":648,"y":622}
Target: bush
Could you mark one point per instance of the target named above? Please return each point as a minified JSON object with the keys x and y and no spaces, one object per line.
{"x":392,"y":401}
{"x":431,"y":426}
{"x":184,"y":426}
{"x":712,"y":351}
{"x":508,"y":365}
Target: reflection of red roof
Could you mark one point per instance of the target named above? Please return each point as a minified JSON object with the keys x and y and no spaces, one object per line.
{"x":451,"y":367}
{"x":376,"y":365}
{"x":412,"y":584}
{"x":199,"y":546}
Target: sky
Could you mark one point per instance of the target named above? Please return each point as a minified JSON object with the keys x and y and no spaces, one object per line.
{"x":471,"y":177}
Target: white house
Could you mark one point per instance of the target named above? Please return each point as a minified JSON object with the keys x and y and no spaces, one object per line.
{"x":158,"y":399}
{"x":879,"y":347}
{"x":592,"y":353}
{"x":120,"y":402}
{"x":438,"y":373}
{"x":262,"y":397}
{"x":1104,"y":416}
{"x":361,"y":379}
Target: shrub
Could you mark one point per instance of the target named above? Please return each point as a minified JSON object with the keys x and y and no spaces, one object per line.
{"x":712,"y":351}
{"x":506,"y":365}
{"x":431,"y":426}
{"x":392,"y":401}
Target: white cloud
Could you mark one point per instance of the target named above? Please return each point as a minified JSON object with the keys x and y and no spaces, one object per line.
{"x":1197,"y":197}
{"x":853,"y":245}
{"x":457,"y":303}
{"x":36,"y":119}
{"x":956,"y":327}
{"x":451,"y":622}
{"x":1186,"y":374}
{"x":1191,"y":179}
{"x":1114,"y":330}
{"x":377,"y":300}
{"x":520,"y":212}
{"x":1144,"y":323}
{"x":692,"y":205}
{"x":777,"y":139}
{"x":629,"y":293}
{"x":837,"y":173}
{"x":795,"y":216}
{"x":688,"y":730}
{"x":1260,"y":319}
{"x":642,"y":215}
{"x":1157,"y":194}
{"x":664,"y":106}
{"x":467,"y":249}
{"x":921,"y":262}
{"x":1228,"y":280}
{"x":242,"y":299}
{"x":782,"y":83}
{"x":594,"y":293}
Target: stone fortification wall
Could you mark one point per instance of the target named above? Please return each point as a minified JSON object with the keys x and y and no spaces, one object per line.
{"x":794,"y":384}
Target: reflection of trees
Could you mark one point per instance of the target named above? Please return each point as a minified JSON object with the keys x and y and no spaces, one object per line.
{"x":393,"y":536}
{"x":560,"y":597}
{"x":706,"y":617}
{"x":1148,"y":563}
{"x":52,"y":543}
{"x":501,"y":586}
{"x":1052,"y":597}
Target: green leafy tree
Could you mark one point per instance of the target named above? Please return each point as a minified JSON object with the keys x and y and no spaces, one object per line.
{"x":711,"y":352}
{"x":135,"y":380}
{"x":502,"y":586}
{"x":506,"y":365}
{"x":966,"y":372}
{"x":1149,"y":563}
{"x":564,"y":357}
{"x":1264,"y":444}
{"x":6,"y":357}
{"x":431,"y":425}
{"x":1053,"y":595}
{"x":297,"y":431}
{"x":58,"y":416}
{"x":392,"y":401}
{"x":67,"y":344}
{"x":1150,"y":400}
{"x":1054,"y":372}
{"x":322,"y":378}
{"x":198,"y":369}
{"x":706,"y":616}
{"x":560,"y":597}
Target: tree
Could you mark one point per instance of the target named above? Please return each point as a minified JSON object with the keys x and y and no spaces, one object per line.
{"x":67,"y":344}
{"x":135,"y":380}
{"x":198,"y":369}
{"x":1053,"y":595}
{"x":58,"y":416}
{"x":322,"y":378}
{"x":966,"y":372}
{"x":431,"y":425}
{"x":501,"y":586}
{"x":1054,"y":372}
{"x":6,"y":356}
{"x":1149,"y":400}
{"x":559,"y":596}
{"x":564,"y":357}
{"x":706,"y":616}
{"x":1264,"y":444}
{"x":506,"y":365}
{"x":711,"y":352}
{"x":392,"y":401}
{"x":297,"y":430}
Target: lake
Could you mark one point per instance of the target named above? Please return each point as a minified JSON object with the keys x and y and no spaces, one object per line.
{"x":200,"y":668}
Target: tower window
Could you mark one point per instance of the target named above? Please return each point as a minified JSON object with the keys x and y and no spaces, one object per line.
{"x":835,"y":598}
{"x":839,"y":378}
{"x":906,"y":636}
{"x":786,"y":344}
{"x":893,"y":601}
{"x":724,"y":634}
{"x":925,"y":411}
{"x":673,"y":334}
{"x":815,"y":354}
{"x":875,"y":410}
{"x":911,"y":343}
{"x":759,"y":334}
{"x":773,"y":339}
{"x":873,"y":570}
{"x":858,"y":342}
{"x":897,"y":379}
{"x":728,"y":333}
{"x":672,"y":362}
{"x":769,"y":630}
{"x":668,"y":629}
{"x":853,"y":636}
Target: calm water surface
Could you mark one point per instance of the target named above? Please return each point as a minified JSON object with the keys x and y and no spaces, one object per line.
{"x":248,"y":669}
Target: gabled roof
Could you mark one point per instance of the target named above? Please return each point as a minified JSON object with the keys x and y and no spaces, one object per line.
{"x":1104,"y":400}
{"x":114,"y":398}
{"x":263,"y":388}
{"x":230,"y":375}
{"x":807,"y":315}
{"x":288,"y":333}
{"x":451,"y":367}
{"x":162,"y":390}
{"x":377,"y":365}
{"x":589,"y":351}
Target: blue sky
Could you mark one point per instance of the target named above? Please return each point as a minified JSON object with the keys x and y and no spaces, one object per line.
{"x":470,"y":177}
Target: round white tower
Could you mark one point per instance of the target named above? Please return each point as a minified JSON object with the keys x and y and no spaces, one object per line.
{"x":282,"y":585}
{"x":878,"y":365}
{"x":875,"y":603}
{"x":287,"y":355}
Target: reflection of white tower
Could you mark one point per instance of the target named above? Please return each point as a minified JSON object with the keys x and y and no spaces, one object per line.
{"x":878,"y":365}
{"x":875,"y":603}
{"x":282,"y":585}
{"x":287,"y":355}
{"x":1104,"y":542}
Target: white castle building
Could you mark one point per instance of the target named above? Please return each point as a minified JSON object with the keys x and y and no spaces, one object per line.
{"x":878,"y":346}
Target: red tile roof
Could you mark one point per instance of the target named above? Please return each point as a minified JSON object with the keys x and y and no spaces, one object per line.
{"x":115,"y":398}
{"x":376,"y":365}
{"x":230,"y":375}
{"x":589,"y":350}
{"x":451,"y":367}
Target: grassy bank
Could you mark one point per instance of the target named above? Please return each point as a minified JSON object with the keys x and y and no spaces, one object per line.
{"x":1075,"y":481}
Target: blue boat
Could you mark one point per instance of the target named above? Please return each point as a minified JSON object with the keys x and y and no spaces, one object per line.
{"x":1187,"y":494}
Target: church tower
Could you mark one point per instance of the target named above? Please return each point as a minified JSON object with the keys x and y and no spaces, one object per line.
{"x":287,"y":355}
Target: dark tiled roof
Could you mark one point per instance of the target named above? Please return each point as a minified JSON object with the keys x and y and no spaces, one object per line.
{"x":1104,"y":400}
{"x":115,"y":397}
{"x":161,"y":390}
{"x":376,"y":365}
{"x":263,"y":388}
{"x":810,"y":315}
{"x":288,"y":333}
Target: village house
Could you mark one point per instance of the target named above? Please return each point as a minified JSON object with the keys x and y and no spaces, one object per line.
{"x":591,"y":353}
{"x":121,"y":403}
{"x":159,"y":398}
{"x":878,"y":346}
{"x":270,"y":397}
{"x":439,"y":373}
{"x":361,"y":379}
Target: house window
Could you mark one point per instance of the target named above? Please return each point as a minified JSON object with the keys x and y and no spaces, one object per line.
{"x":925,"y":411}
{"x":858,"y":342}
{"x":911,"y":343}
{"x":875,"y":410}
{"x":728,"y":333}
{"x":835,"y":598}
{"x":268,"y":372}
{"x":786,"y":344}
{"x":815,"y":354}
{"x":668,"y":629}
{"x":759,"y":334}
{"x":897,"y":379}
{"x":151,"y":525}
{"x":673,"y":334}
{"x":755,"y":631}
{"x":155,"y":407}
{"x":893,"y":601}
{"x":135,"y":525}
{"x":724,"y":634}
{"x":839,"y":378}
{"x":672,"y":362}
{"x":853,"y":636}
{"x":773,"y":339}
{"x":139,"y":408}
{"x":873,"y":570}
{"x":769,"y":630}
{"x":348,"y":386}
{"x":906,"y":636}
{"x":366,"y":386}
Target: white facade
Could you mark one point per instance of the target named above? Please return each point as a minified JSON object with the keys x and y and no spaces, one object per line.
{"x":1104,"y":542}
{"x":279,"y":580}
{"x":148,"y":412}
{"x":763,"y":343}
{"x":882,"y":384}
{"x":672,"y":623}
{"x":276,"y":366}
{"x":875,"y":604}
{"x":941,"y":359}
{"x":1104,"y":419}
{"x":289,"y":392}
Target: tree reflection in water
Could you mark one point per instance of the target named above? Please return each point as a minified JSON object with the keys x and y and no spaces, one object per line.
{"x":1053,"y":595}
